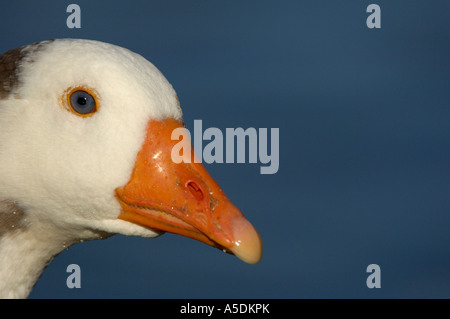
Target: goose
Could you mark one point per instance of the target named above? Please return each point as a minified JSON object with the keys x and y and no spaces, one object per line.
{"x":85,"y":153}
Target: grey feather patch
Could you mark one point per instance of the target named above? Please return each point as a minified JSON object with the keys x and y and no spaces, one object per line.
{"x":11,"y":217}
{"x":10,"y":63}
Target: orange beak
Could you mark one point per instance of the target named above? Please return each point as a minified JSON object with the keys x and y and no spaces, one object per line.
{"x":183,"y":198}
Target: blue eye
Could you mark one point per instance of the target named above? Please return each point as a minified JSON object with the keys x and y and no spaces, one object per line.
{"x":82,"y":102}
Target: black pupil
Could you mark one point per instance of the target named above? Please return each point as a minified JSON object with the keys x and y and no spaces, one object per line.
{"x":82,"y":102}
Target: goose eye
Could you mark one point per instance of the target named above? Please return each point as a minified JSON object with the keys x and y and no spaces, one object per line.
{"x":82,"y":102}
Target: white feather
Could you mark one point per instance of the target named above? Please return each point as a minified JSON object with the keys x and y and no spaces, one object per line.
{"x":63,"y":169}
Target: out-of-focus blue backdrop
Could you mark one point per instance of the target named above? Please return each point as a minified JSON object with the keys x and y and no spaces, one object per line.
{"x":364,"y":144}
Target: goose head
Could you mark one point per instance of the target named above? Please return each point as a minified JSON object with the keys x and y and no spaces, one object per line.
{"x":85,"y":152}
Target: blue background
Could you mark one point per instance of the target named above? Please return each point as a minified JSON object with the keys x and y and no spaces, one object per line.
{"x":364,"y":144}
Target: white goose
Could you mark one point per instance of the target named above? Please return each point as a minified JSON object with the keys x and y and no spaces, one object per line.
{"x":85,"y":152}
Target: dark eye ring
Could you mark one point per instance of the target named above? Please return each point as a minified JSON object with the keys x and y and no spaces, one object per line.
{"x":81,"y":101}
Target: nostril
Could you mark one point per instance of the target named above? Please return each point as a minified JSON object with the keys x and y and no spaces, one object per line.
{"x":195,"y":190}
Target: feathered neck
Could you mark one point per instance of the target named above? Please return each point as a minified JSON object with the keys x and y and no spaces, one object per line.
{"x":28,"y":245}
{"x":24,"y":253}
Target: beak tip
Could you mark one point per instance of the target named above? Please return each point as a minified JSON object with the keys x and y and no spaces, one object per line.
{"x":248,"y":244}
